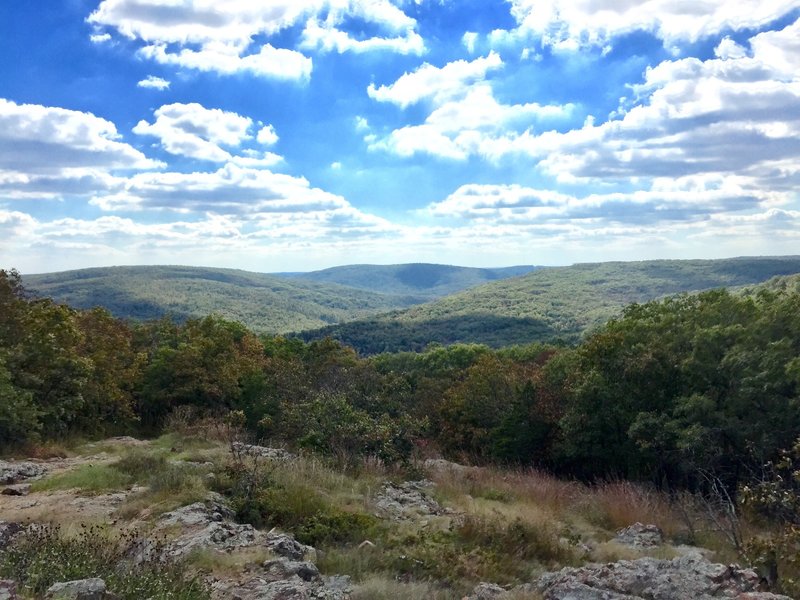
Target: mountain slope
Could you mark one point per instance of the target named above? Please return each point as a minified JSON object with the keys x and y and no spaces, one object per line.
{"x":558,"y":302}
{"x":421,"y":281}
{"x":265,"y":303}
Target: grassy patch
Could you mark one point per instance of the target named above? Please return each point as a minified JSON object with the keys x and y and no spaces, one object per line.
{"x":88,"y":478}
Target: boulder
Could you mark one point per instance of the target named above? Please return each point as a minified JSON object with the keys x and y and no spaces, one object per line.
{"x":690,"y":576}
{"x":640,"y":536}
{"x":408,"y":501}
{"x":285,"y":545}
{"x":283,"y":568}
{"x":81,"y":589}
{"x":13,"y":472}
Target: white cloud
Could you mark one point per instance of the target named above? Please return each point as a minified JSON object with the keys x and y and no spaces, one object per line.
{"x":231,"y":189}
{"x":153,"y":82}
{"x":267,"y":136}
{"x":438,"y":84}
{"x":100,"y":38}
{"x":572,"y":24}
{"x":40,"y":141}
{"x":684,"y":201}
{"x":469,"y":126}
{"x":194,"y":131}
{"x":469,"y":39}
{"x":214,"y":35}
{"x":227,"y":59}
{"x":728,"y":48}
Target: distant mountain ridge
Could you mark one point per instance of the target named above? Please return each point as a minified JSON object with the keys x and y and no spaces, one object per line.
{"x":268,"y":303}
{"x":550,"y":303}
{"x":423,"y":281}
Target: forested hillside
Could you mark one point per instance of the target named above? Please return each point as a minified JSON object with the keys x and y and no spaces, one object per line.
{"x":693,"y":393}
{"x":265,"y":303}
{"x":549,"y":303}
{"x":419,"y":280}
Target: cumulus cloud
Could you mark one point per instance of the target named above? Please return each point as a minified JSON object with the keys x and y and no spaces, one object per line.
{"x":209,"y":35}
{"x":49,"y":152}
{"x":436,"y":83}
{"x":720,"y":116}
{"x":684,"y":201}
{"x":466,"y":126}
{"x":573,"y":24}
{"x":231,"y":189}
{"x":193,"y":131}
{"x":153,"y":82}
{"x":267,"y":136}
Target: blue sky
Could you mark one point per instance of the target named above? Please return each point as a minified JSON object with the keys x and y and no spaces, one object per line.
{"x":290,"y":135}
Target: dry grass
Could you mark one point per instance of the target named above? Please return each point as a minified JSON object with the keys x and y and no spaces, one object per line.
{"x":378,"y":588}
{"x":617,"y":504}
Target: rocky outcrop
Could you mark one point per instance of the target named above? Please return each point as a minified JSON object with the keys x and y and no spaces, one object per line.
{"x":261,"y":451}
{"x":14,"y":472}
{"x":82,"y":589}
{"x":293,"y":588}
{"x":690,"y":576}
{"x":408,"y":501}
{"x":285,"y":545}
{"x":209,"y":525}
{"x":640,"y":536}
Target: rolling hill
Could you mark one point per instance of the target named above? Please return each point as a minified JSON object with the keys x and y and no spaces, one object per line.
{"x":265,"y":303}
{"x":548,"y":303}
{"x":421,"y":281}
{"x":276,"y":303}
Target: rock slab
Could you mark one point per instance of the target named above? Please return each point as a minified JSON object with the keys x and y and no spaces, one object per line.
{"x":639,"y":535}
{"x":690,"y":576}
{"x":81,"y":589}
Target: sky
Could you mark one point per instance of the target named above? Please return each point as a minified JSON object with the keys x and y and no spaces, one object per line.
{"x":292,"y":135}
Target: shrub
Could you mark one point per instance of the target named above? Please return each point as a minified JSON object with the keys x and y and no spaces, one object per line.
{"x":44,"y":555}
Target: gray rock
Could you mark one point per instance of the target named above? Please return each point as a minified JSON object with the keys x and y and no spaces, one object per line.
{"x":8,"y":589}
{"x":212,"y":510}
{"x":8,"y":531}
{"x":487,"y":591}
{"x":690,"y":576}
{"x":407,"y":501}
{"x":260,"y":588}
{"x":14,"y":472}
{"x":18,"y":489}
{"x":640,"y":536}
{"x":288,"y":547}
{"x":283,"y":568}
{"x":261,"y":451}
{"x":81,"y":589}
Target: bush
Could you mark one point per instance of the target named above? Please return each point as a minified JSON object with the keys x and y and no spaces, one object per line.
{"x":43,"y":556}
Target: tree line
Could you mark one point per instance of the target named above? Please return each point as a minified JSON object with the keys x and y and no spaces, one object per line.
{"x":692,"y":384}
